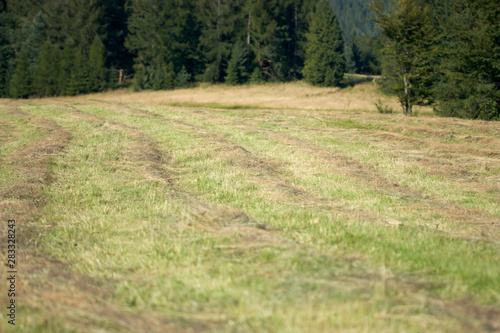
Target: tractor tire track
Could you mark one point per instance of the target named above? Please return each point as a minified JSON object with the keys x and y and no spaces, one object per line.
{"x":368,"y":175}
{"x":267,"y":172}
{"x":209,"y":216}
{"x":50,"y":283}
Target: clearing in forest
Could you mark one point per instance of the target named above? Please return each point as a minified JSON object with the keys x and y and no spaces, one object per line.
{"x":228,"y":210}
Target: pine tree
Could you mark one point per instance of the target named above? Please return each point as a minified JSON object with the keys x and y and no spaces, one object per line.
{"x":79,"y":79}
{"x":469,"y":58}
{"x":221,"y":23}
{"x":182,"y":78}
{"x":114,"y":19}
{"x":7,"y":54}
{"x":169,"y":77}
{"x":263,"y":32}
{"x":411,"y":35}
{"x":139,"y":78}
{"x":80,"y":20}
{"x":97,"y":70}
{"x":237,"y":72}
{"x":159,"y":36}
{"x":256,"y":77}
{"x":66,"y":68}
{"x":21,"y":80}
{"x":325,"y":62}
{"x":43,"y":77}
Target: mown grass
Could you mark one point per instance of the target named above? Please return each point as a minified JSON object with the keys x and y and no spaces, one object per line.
{"x":238,"y":228}
{"x":412,"y":248}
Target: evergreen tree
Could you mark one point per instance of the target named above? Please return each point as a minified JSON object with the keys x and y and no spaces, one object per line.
{"x":469,"y":58}
{"x":183,"y":78}
{"x":162,"y":78}
{"x":353,"y":54}
{"x":263,"y":33}
{"x":79,"y":79}
{"x":169,"y":77}
{"x":139,"y":78}
{"x":294,"y":25}
{"x":411,"y":36}
{"x":43,"y":77}
{"x":237,"y":72}
{"x":32,"y":36}
{"x":79,"y":20}
{"x":97,"y":70}
{"x":368,"y":54}
{"x":355,"y":16}
{"x":158,"y":37}
{"x":21,"y":80}
{"x":325,"y":62}
{"x":66,"y":68}
{"x":256,"y":77}
{"x":221,"y":23}
{"x":7,"y":54}
{"x":114,"y":20}
{"x":55,"y":70}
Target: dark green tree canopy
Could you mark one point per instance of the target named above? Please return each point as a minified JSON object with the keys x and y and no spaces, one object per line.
{"x":325,"y":62}
{"x":411,"y":40}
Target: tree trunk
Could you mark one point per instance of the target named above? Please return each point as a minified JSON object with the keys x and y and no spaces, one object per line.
{"x":249,"y":26}
{"x":407,"y":103}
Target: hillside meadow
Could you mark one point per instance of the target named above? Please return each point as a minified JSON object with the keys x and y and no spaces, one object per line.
{"x":272,"y":208}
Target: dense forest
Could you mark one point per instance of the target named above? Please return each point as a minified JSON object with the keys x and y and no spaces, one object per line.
{"x":441,"y":53}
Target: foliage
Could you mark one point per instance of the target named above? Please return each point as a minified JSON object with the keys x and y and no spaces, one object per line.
{"x":97,"y":71}
{"x":183,"y":78}
{"x":410,"y":34}
{"x":444,"y":53}
{"x":220,"y":22}
{"x":237,"y":72}
{"x":7,"y":53}
{"x":469,"y":59}
{"x":46,"y":71}
{"x":21,"y":80}
{"x":325,"y":62}
{"x":381,"y":108}
{"x":364,"y":54}
{"x":355,"y":17}
{"x":256,"y":77}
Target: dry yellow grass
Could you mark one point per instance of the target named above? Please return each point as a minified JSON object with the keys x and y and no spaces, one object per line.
{"x":294,"y":95}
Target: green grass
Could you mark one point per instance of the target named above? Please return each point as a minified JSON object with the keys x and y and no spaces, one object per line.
{"x":250,"y":231}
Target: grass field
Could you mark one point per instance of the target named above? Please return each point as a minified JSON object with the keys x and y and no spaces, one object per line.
{"x":277,"y":208}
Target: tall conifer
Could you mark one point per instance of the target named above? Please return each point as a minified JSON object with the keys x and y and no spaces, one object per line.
{"x":325,"y":62}
{"x":97,"y":70}
{"x":43,"y":77}
{"x":20,"y":83}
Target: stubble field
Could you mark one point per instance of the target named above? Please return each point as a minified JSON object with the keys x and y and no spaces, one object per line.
{"x":275,"y":208}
